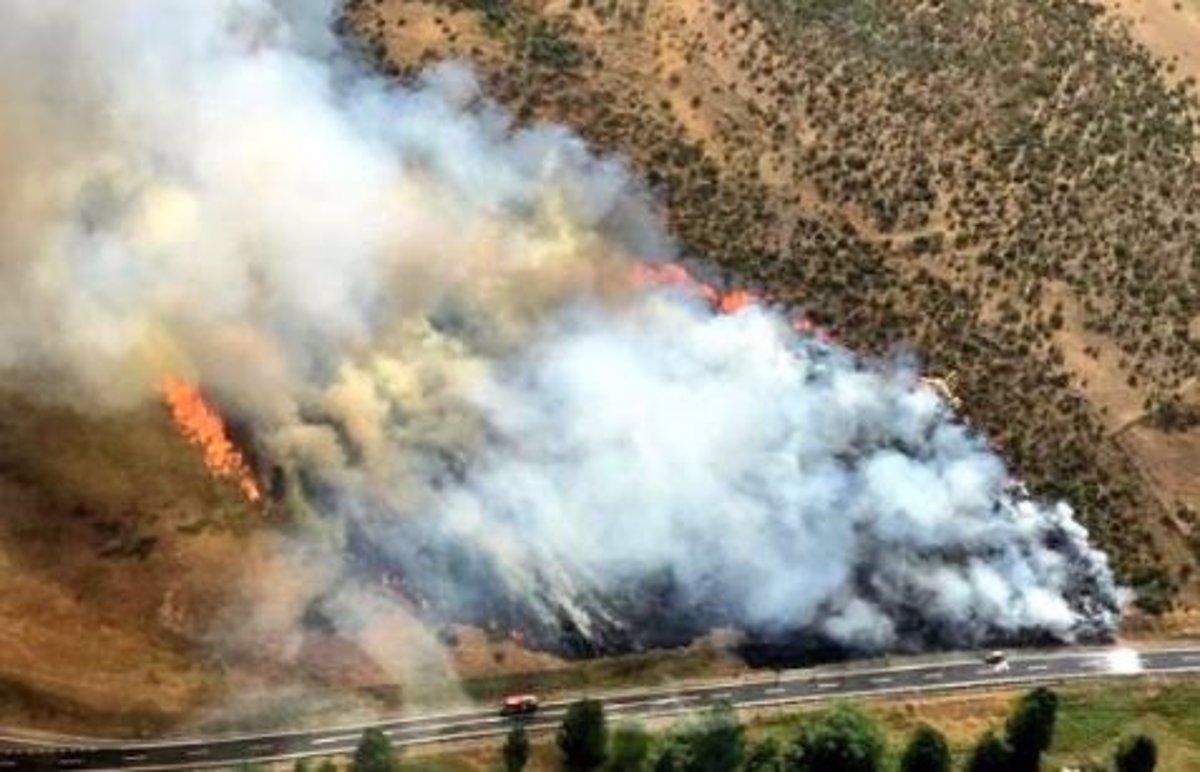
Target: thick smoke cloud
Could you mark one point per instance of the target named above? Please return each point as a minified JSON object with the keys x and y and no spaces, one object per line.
{"x":424,"y":318}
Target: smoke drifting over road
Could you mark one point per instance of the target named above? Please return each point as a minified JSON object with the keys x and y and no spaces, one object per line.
{"x":425,"y":318}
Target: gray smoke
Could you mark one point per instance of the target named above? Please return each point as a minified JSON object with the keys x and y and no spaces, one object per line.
{"x":426,"y":319}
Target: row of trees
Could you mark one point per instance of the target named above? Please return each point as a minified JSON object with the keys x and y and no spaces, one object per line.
{"x":843,"y":739}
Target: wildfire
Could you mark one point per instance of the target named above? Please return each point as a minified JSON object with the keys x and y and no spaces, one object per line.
{"x":201,"y":424}
{"x":722,"y":302}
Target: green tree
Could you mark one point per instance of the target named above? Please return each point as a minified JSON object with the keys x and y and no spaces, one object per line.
{"x":582,"y":737}
{"x":765,"y":756}
{"x":1030,"y":728}
{"x":374,"y":753}
{"x":669,"y":758}
{"x":516,"y":748}
{"x":301,"y":765}
{"x":715,"y":743}
{"x":927,"y":751}
{"x":843,"y":739}
{"x":989,"y":755}
{"x":327,"y":766}
{"x":1137,"y":754}
{"x":628,"y":749}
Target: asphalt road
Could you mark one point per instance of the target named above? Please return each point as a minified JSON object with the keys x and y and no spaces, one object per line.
{"x":957,"y":672}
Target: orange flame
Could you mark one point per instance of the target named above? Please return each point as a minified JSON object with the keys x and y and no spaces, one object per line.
{"x":722,"y":302}
{"x":675,"y":275}
{"x":201,"y":425}
{"x":732,"y":302}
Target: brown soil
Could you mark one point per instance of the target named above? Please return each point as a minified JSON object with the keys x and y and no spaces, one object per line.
{"x":1170,"y":28}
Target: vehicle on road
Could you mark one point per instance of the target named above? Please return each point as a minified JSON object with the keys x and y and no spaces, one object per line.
{"x":998,"y":660}
{"x":519,"y":705}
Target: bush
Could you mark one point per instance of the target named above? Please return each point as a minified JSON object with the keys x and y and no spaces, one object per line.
{"x":715,"y":743}
{"x":989,"y":755}
{"x":1030,"y":728}
{"x":765,"y":756}
{"x":927,"y":751}
{"x":516,"y":749}
{"x":1136,"y":754}
{"x":582,"y":737}
{"x":545,"y":44}
{"x":629,"y":749}
{"x":374,"y":753}
{"x":843,"y":739}
{"x":1170,"y":414}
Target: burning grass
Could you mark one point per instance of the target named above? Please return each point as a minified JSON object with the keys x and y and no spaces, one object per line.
{"x":201,"y":424}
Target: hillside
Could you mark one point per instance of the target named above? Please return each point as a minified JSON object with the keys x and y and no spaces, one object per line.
{"x":1006,"y":191}
{"x":1009,"y":190}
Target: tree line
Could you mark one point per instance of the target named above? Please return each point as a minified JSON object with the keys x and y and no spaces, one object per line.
{"x":842,"y":739}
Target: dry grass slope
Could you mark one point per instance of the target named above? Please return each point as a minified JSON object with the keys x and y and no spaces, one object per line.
{"x":1009,"y":188}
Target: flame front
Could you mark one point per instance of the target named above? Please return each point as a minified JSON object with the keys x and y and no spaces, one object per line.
{"x":721,"y":301}
{"x":201,"y":424}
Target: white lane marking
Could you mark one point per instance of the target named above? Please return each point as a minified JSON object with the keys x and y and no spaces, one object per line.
{"x":135,"y":757}
{"x":724,"y":695}
{"x":881,"y":680}
{"x":198,"y":752}
{"x":338,"y":739}
{"x":933,"y":676}
{"x":1191,"y":658}
{"x":7,"y":763}
{"x":263,"y":747}
{"x":828,"y":685}
{"x":634,"y":705}
{"x":1036,"y":668}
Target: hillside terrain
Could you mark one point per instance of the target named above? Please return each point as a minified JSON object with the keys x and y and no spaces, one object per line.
{"x":1008,"y":190}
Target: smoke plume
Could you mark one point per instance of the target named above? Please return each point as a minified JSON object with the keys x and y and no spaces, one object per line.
{"x":425,"y":318}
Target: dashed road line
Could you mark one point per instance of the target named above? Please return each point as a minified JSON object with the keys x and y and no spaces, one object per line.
{"x":344,"y":738}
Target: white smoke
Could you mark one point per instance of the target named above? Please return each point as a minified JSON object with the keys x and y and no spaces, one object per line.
{"x":424,"y":316}
{"x":780,"y":484}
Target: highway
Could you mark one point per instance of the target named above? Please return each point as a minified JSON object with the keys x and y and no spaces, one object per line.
{"x":898,"y":676}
